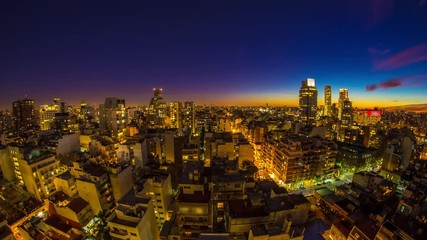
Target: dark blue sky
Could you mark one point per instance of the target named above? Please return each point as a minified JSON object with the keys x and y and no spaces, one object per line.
{"x":220,"y":52}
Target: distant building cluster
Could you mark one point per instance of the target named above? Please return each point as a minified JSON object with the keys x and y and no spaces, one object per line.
{"x":179,"y":171}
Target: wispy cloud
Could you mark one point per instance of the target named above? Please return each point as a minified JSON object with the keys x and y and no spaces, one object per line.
{"x":378,"y":52}
{"x":414,"y":80}
{"x":415,"y":54}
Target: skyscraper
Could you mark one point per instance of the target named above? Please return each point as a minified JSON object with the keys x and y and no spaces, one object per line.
{"x":23,"y":114}
{"x":188,"y":118}
{"x":112,"y":116}
{"x":328,"y":102}
{"x":346,"y":121}
{"x":308,"y":101}
{"x":175,"y":114}
{"x":157,"y":109}
{"x":342,"y":97}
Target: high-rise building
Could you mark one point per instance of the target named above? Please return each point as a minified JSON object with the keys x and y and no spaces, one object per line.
{"x":308,"y":101}
{"x":157,"y":109}
{"x":121,"y":179}
{"x":328,"y":102}
{"x":188,"y":117}
{"x":23,"y":114}
{"x":34,"y":169}
{"x":86,"y":111}
{"x":194,"y":213}
{"x":158,"y":186}
{"x":47,"y":114}
{"x":175,"y":114}
{"x":6,"y":122}
{"x":346,"y":121}
{"x":113,"y":116}
{"x":93,"y":185}
{"x":342,"y":97}
{"x":296,"y":159}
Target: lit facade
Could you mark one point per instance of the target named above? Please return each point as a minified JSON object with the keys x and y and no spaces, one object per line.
{"x":328,"y":101}
{"x":23,"y":114}
{"x":38,"y":170}
{"x":133,"y":219}
{"x":343,"y":95}
{"x":308,"y":102}
{"x":158,"y":187}
{"x":157,"y":109}
{"x":175,"y":109}
{"x":194,"y":203}
{"x":188,"y":116}
{"x":93,"y":185}
{"x":367,"y":117}
{"x":296,"y":159}
{"x":47,"y":114}
{"x":121,"y":179}
{"x":112,"y":117}
{"x":346,"y":121}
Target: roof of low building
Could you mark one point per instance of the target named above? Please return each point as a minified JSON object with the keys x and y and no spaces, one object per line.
{"x":78,"y":204}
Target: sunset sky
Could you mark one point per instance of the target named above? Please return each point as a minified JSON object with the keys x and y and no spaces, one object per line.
{"x":213,"y":52}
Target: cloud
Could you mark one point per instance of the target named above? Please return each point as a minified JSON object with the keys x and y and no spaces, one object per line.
{"x":377,"y":51}
{"x":398,"y":82}
{"x":415,"y":54}
{"x":372,"y":87}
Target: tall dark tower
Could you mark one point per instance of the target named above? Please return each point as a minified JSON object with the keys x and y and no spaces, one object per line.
{"x":157,"y":109}
{"x":346,"y":121}
{"x":188,"y":118}
{"x":342,"y":97}
{"x":23,"y":114}
{"x":308,"y":101}
{"x":328,"y":101}
{"x":112,"y":117}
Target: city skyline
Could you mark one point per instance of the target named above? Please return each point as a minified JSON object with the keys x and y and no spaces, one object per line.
{"x":293,"y":102}
{"x":200,"y":120}
{"x":220,"y":53}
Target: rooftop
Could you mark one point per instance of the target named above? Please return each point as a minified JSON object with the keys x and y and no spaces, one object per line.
{"x":367,"y":226}
{"x":37,"y":155}
{"x":197,"y":197}
{"x":286,"y":202}
{"x":77,"y":204}
{"x":259,"y":230}
{"x":244,"y":209}
{"x":96,"y":171}
{"x":323,"y":191}
{"x":344,"y":227}
{"x":56,"y":222}
{"x":58,"y":197}
{"x":131,"y":199}
{"x":124,"y":222}
{"x":65,"y":176}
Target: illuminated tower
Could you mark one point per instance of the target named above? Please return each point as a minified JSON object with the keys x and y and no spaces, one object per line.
{"x":112,"y":116}
{"x":175,"y":114}
{"x":308,"y":101}
{"x":47,"y":114}
{"x":346,"y":121}
{"x":23,"y":114}
{"x":328,"y":102}
{"x":342,"y":97}
{"x":157,"y":109}
{"x":188,"y":119}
